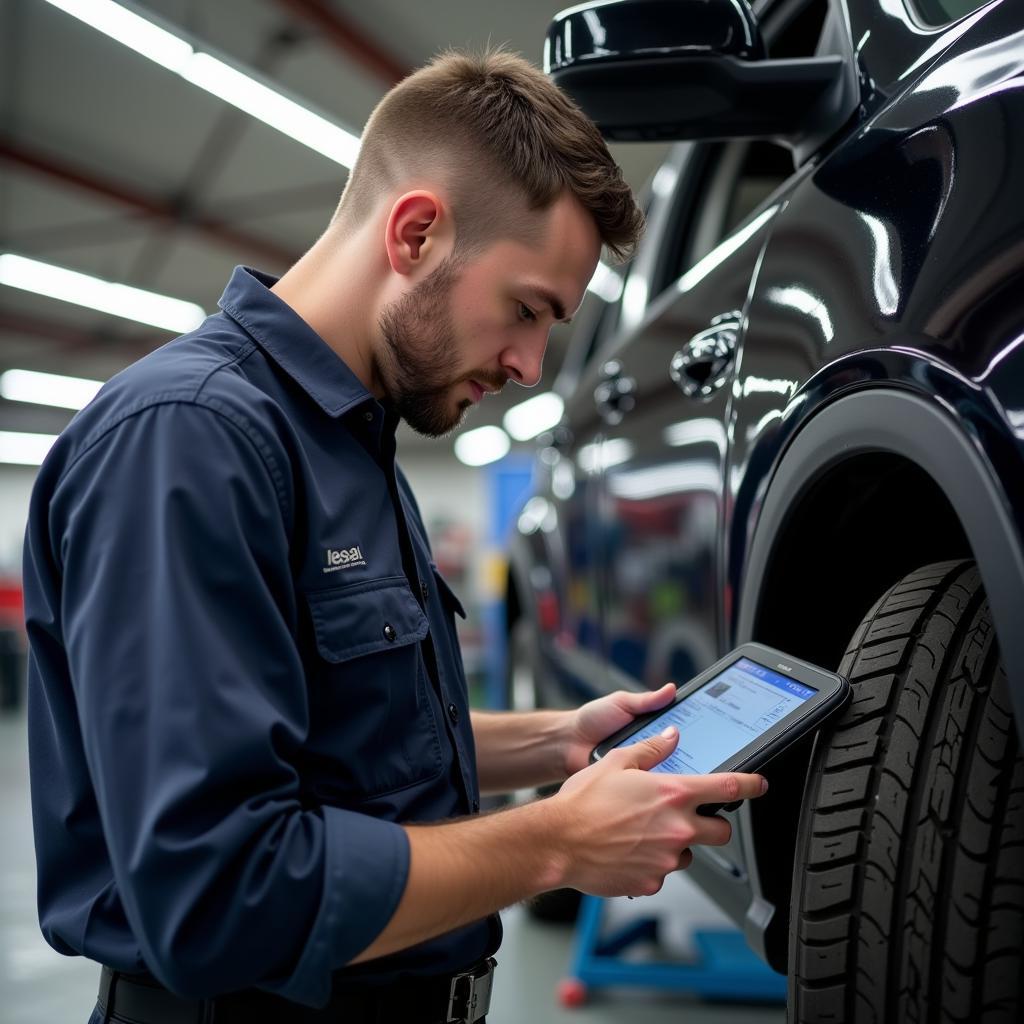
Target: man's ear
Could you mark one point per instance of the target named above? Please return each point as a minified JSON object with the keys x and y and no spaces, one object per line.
{"x":418,"y":232}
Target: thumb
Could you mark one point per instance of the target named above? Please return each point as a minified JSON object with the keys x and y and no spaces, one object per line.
{"x":652,"y":750}
{"x":650,"y":700}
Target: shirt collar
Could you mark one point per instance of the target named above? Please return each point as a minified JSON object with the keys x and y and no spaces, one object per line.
{"x":291,"y":342}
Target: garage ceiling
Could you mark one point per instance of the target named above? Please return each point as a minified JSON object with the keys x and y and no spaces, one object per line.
{"x":114,"y":166}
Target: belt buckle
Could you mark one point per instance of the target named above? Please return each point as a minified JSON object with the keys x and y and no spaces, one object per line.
{"x":470,"y":995}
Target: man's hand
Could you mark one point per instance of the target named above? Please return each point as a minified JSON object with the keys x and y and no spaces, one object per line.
{"x":626,"y":827}
{"x":614,"y":829}
{"x":598,"y":719}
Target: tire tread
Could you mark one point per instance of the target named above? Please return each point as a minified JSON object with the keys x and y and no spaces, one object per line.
{"x":909,"y":797}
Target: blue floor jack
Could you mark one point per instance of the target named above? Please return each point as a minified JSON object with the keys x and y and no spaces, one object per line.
{"x":724,"y":969}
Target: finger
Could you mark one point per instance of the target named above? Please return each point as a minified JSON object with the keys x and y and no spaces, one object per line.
{"x":713,"y":831}
{"x":724,"y":787}
{"x":651,"y":751}
{"x":638,"y":703}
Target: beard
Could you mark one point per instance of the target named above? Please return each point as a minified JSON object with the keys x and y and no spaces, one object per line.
{"x":418,"y":362}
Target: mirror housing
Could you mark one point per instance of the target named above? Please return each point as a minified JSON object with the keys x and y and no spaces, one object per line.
{"x":665,"y":70}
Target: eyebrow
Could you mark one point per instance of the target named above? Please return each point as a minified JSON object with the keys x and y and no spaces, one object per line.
{"x":551,"y":299}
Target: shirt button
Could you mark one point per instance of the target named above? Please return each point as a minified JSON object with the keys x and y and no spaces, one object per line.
{"x":453,"y":714}
{"x":368,"y":416}
{"x":389,"y":633}
{"x":424,"y":589}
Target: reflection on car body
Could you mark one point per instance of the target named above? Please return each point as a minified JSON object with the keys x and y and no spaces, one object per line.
{"x":806,"y":389}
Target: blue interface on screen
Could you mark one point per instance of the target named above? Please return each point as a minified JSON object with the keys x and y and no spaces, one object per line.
{"x":723,"y":716}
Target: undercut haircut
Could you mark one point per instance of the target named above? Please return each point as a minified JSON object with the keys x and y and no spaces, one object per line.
{"x":503,"y":139}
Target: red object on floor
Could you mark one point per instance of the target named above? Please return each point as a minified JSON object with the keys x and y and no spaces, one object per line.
{"x":571,"y":992}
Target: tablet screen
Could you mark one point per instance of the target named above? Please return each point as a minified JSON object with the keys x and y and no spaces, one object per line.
{"x":724,"y":715}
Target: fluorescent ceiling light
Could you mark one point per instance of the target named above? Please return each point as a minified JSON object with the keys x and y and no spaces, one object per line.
{"x":537,"y":414}
{"x":563,"y":480}
{"x":219,"y":77}
{"x":270,"y":107}
{"x":47,"y":389}
{"x":483,"y":445}
{"x":538,"y":514}
{"x":131,"y":29}
{"x":605,"y":283}
{"x":108,"y":297}
{"x":24,"y":449}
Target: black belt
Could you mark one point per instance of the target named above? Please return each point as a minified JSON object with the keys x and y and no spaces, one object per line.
{"x":462,"y":998}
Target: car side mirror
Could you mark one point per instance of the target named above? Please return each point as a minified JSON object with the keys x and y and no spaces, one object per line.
{"x":690,"y":69}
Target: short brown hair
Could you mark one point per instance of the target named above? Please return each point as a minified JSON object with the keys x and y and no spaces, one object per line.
{"x":497,"y":130}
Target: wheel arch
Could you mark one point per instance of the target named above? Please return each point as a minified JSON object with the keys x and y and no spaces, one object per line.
{"x":874,"y":485}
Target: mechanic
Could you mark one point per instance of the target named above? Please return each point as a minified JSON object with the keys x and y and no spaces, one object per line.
{"x":255,"y":776}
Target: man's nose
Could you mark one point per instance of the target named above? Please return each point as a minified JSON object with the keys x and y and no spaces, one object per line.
{"x":523,"y":362}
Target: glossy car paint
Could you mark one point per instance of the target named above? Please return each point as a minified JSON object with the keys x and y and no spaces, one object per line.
{"x":582,"y":35}
{"x":888,"y":269}
{"x":898,"y":264}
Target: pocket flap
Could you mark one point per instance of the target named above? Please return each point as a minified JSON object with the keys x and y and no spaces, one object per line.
{"x":365,"y":618}
{"x":447,"y":593}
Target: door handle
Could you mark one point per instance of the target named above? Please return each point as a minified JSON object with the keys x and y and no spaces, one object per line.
{"x":616,"y":394}
{"x":702,"y":365}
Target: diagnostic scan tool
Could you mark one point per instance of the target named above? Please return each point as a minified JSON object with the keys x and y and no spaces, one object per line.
{"x":738,"y":714}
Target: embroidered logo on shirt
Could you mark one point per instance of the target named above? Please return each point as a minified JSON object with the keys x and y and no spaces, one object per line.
{"x":343,"y":558}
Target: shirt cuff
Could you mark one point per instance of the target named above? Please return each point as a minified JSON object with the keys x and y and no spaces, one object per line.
{"x":366,"y":866}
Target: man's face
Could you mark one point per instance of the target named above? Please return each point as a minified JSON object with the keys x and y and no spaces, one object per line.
{"x":471,"y":326}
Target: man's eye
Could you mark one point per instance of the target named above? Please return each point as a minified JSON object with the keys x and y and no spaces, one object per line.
{"x":525,"y":313}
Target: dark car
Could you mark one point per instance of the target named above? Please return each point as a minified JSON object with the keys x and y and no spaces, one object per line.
{"x":797,"y":417}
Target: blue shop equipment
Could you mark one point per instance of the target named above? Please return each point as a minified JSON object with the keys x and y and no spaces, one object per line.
{"x":724,"y":967}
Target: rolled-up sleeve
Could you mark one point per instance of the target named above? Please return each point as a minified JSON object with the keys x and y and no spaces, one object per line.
{"x":171,"y":530}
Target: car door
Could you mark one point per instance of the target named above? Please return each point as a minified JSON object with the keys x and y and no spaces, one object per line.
{"x":662,"y":394}
{"x":558,"y":525}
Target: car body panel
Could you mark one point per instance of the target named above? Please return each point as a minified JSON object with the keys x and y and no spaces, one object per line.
{"x":881,"y":293}
{"x":899,"y":262}
{"x":860,"y":423}
{"x":663,"y":478}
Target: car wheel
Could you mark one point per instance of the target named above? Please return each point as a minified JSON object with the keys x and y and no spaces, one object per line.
{"x":908,"y":891}
{"x":559,"y":905}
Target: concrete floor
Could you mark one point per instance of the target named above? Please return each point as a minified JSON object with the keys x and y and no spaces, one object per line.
{"x":39,"y":986}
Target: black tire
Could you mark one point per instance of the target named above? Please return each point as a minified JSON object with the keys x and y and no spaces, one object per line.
{"x":908,"y":891}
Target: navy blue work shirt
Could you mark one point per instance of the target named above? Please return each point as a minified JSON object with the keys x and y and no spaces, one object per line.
{"x":244,"y":671}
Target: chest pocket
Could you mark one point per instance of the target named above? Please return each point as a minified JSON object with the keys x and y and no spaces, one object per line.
{"x":375,"y":727}
{"x":452,"y":607}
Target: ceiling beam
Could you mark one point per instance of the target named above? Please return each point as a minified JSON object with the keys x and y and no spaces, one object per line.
{"x":73,"y":339}
{"x":141,"y":202}
{"x":348,"y":37}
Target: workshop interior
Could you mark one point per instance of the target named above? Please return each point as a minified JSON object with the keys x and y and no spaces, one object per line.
{"x":776,"y":457}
